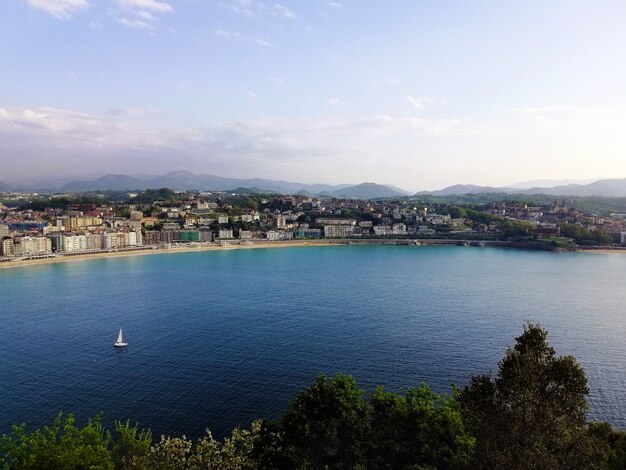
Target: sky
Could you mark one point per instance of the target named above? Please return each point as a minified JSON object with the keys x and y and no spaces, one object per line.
{"x":420,"y":94}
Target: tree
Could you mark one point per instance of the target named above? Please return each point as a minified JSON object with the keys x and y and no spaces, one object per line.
{"x":533,"y":414}
{"x":233,"y":453}
{"x":332,"y":425}
{"x":132,"y":447}
{"x":325,"y":425}
{"x":60,"y":445}
{"x":417,"y":428}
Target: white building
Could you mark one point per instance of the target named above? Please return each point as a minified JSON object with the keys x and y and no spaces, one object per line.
{"x":338,"y":231}
{"x":398,"y":229}
{"x":279,"y":235}
{"x":223,"y":234}
{"x":31,"y":246}
{"x":6,"y":247}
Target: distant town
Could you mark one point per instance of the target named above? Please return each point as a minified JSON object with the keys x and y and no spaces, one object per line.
{"x":34,"y":226}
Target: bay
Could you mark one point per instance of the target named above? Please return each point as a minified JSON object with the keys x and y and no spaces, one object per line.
{"x":218,"y":338}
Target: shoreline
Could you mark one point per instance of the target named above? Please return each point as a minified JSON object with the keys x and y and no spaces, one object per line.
{"x":282,"y":244}
{"x":160,"y":251}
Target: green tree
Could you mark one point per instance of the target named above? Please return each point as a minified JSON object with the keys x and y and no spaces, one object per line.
{"x":170,"y":453}
{"x":60,"y":445}
{"x":533,"y":414}
{"x":419,"y":428}
{"x":325,"y":425}
{"x":131,"y":447}
{"x":233,"y":453}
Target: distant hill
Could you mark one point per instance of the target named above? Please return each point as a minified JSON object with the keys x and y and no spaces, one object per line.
{"x":186,"y":180}
{"x":107,"y":182}
{"x":603,"y":188}
{"x":547,"y":183}
{"x":368,"y":191}
{"x":250,"y":191}
{"x":465,"y":189}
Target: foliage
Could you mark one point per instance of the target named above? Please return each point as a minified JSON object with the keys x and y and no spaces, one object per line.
{"x":332,"y":425}
{"x":533,"y":414}
{"x":149,"y":196}
{"x":418,"y":427}
{"x":582,"y":235}
{"x":234,"y":453}
{"x":60,"y":445}
{"x":132,"y":446}
{"x":482,"y":217}
{"x":518,"y":228}
{"x":325,"y":425}
{"x":44,"y":202}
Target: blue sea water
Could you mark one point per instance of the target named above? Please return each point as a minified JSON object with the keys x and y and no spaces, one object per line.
{"x":219,"y":338}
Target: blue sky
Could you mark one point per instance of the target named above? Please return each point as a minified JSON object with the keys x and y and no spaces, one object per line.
{"x":420,"y":94}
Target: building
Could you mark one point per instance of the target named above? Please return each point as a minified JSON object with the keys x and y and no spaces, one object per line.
{"x":279,"y":235}
{"x":7,"y":247}
{"x":223,"y":234}
{"x":189,"y":236}
{"x":338,"y":231}
{"x":307,"y":233}
{"x":548,"y":230}
{"x":398,"y":229}
{"x":32,"y":246}
{"x":325,"y":221}
{"x":383,"y":230}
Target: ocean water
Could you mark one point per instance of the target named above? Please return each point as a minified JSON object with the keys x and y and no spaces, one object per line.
{"x":219,"y":338}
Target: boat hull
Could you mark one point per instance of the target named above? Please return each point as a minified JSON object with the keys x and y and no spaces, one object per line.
{"x":120,"y":345}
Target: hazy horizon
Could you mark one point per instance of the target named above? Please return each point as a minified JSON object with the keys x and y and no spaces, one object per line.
{"x":419,"y":95}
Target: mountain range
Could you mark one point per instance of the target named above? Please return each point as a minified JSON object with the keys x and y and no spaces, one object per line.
{"x":603,"y":188}
{"x":185,"y":180}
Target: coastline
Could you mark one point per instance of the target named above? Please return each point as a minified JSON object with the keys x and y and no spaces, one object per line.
{"x":161,"y":250}
{"x":603,"y":251}
{"x":278,"y":244}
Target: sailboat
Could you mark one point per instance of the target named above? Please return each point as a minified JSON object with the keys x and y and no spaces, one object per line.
{"x":120,"y":341}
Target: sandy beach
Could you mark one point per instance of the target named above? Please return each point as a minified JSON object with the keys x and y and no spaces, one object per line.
{"x":604,"y":251}
{"x":160,"y":251}
{"x":235,"y":246}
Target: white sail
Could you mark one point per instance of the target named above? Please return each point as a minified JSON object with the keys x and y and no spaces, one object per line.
{"x":120,"y":340}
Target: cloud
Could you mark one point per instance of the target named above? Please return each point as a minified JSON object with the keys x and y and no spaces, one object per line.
{"x":428,"y":150}
{"x":257,"y":8}
{"x":59,"y":8}
{"x":264,"y":43}
{"x":335,"y":4}
{"x":282,"y":12}
{"x":334,"y":101}
{"x":138,"y":24}
{"x":425,"y":101}
{"x":539,"y":110}
{"x":147,"y":5}
{"x":141,"y":14}
{"x":220,"y":33}
{"x":126,"y":129}
{"x":241,"y":7}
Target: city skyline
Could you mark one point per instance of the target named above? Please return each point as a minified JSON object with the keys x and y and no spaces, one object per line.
{"x":418,"y":95}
